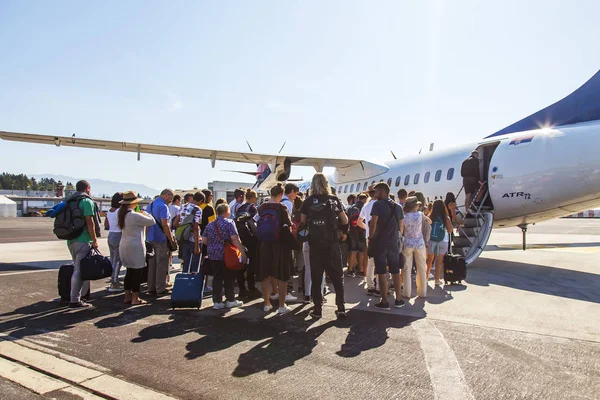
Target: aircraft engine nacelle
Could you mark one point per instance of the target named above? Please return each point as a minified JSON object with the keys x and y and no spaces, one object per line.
{"x":283,"y":171}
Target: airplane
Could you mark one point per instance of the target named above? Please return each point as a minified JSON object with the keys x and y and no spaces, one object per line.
{"x":544,"y":166}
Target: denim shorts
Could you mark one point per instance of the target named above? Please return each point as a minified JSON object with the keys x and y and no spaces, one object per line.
{"x":437,"y":248}
{"x":390,"y":257}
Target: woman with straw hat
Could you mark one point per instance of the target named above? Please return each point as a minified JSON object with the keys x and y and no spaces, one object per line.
{"x":133,"y":245}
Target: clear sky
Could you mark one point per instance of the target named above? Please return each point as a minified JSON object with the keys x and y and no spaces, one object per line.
{"x":334,"y":78}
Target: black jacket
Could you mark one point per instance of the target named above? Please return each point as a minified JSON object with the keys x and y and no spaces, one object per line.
{"x":470,"y":168}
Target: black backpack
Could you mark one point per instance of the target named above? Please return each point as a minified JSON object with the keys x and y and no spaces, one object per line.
{"x":246,"y":227}
{"x":322,"y":220}
{"x":70,"y":222}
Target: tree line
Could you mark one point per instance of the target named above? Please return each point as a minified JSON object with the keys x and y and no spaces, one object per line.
{"x":22,"y":182}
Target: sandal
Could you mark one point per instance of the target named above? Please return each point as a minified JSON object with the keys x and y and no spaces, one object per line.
{"x":140,"y":302}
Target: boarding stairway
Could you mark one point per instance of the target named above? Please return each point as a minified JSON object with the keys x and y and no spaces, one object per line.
{"x":474,"y":231}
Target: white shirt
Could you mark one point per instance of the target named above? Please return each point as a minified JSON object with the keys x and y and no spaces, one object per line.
{"x":233,"y":207}
{"x":366,"y":214}
{"x":174,"y":211}
{"x":113,"y":221}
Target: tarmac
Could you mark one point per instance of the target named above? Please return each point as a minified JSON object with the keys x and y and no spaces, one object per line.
{"x":525,"y":325}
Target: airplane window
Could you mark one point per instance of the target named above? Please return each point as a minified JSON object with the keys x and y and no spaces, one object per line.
{"x":450,"y":174}
{"x":346,"y":189}
{"x":366,"y":186}
{"x":358,"y":187}
{"x":398,"y":180}
{"x":438,"y":175}
{"x":372,"y":183}
{"x":352,"y":188}
{"x":426,"y":177}
{"x":381,"y":180}
{"x":407,"y":180}
{"x":389,"y":182}
{"x":416,"y":181}
{"x":340,"y":189}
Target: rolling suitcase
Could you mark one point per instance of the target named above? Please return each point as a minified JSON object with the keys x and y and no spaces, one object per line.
{"x":65,"y":272}
{"x":188,"y":290}
{"x":455,"y":267}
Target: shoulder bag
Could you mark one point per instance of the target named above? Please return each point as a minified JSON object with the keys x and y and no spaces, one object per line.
{"x":231,"y":254}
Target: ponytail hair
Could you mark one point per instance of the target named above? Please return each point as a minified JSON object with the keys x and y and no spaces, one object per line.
{"x":276,"y":190}
{"x":123,"y":210}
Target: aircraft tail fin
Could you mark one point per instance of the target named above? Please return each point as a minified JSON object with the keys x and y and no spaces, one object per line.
{"x":580,"y":106}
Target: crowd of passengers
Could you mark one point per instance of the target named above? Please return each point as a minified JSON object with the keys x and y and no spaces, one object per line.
{"x":291,"y":243}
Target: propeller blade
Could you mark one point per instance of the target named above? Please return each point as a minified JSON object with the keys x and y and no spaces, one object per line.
{"x":393,"y":155}
{"x":281,"y":147}
{"x":241,"y":172}
{"x":250,"y":147}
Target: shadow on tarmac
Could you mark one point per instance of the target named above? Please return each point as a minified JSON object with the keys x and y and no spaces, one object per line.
{"x":542,"y":279}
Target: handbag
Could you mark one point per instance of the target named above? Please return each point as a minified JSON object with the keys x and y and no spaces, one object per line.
{"x":95,"y":266}
{"x":172,"y":246}
{"x":231,"y":254}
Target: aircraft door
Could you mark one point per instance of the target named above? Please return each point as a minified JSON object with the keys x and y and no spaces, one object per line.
{"x":486,"y":151}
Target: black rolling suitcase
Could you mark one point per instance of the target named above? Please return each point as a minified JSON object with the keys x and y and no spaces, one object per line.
{"x":65,"y":272}
{"x":455,"y":267}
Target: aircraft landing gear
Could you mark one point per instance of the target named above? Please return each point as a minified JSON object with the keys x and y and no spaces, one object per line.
{"x":524,"y":230}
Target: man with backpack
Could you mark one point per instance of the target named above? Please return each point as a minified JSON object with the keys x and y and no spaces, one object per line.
{"x":356,"y":236}
{"x":187,"y":233}
{"x":79,"y":223}
{"x":323,"y":214}
{"x":385,"y":240}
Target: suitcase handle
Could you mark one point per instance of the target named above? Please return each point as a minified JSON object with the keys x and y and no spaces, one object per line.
{"x":199,"y":263}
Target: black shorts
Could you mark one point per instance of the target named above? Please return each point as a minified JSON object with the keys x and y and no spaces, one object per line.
{"x":356,"y":241}
{"x":471,"y":185}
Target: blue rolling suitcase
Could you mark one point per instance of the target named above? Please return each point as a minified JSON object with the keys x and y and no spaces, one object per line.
{"x":188,"y":290}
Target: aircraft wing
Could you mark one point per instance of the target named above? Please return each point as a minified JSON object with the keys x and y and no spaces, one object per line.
{"x":210,"y":154}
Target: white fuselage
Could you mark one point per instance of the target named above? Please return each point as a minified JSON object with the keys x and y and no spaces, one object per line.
{"x":533,"y":176}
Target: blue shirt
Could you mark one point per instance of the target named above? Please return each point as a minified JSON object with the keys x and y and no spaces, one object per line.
{"x":159,"y":210}
{"x":288,"y":203}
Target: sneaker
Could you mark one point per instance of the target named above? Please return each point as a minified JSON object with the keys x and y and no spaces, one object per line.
{"x":399,"y":303}
{"x":275,"y":296}
{"x":306,"y":300}
{"x":340,"y":313}
{"x":373,"y":292}
{"x":382,"y":306}
{"x":235,"y":303}
{"x":316,"y":314}
{"x":283,"y":310}
{"x":115,"y":287}
{"x":218,"y":306}
{"x":350,"y":274}
{"x":290,"y":298}
{"x":431,"y":277}
{"x":80,"y":304}
{"x":268,"y":308}
{"x":360,"y":274}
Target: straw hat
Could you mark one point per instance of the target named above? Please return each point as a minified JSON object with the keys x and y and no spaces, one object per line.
{"x":412,"y":200}
{"x":130,"y":197}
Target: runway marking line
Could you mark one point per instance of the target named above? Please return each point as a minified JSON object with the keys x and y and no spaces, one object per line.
{"x":447,"y":378}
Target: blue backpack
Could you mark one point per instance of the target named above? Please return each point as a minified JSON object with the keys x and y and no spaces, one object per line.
{"x":438,"y":231}
{"x":268,"y":229}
